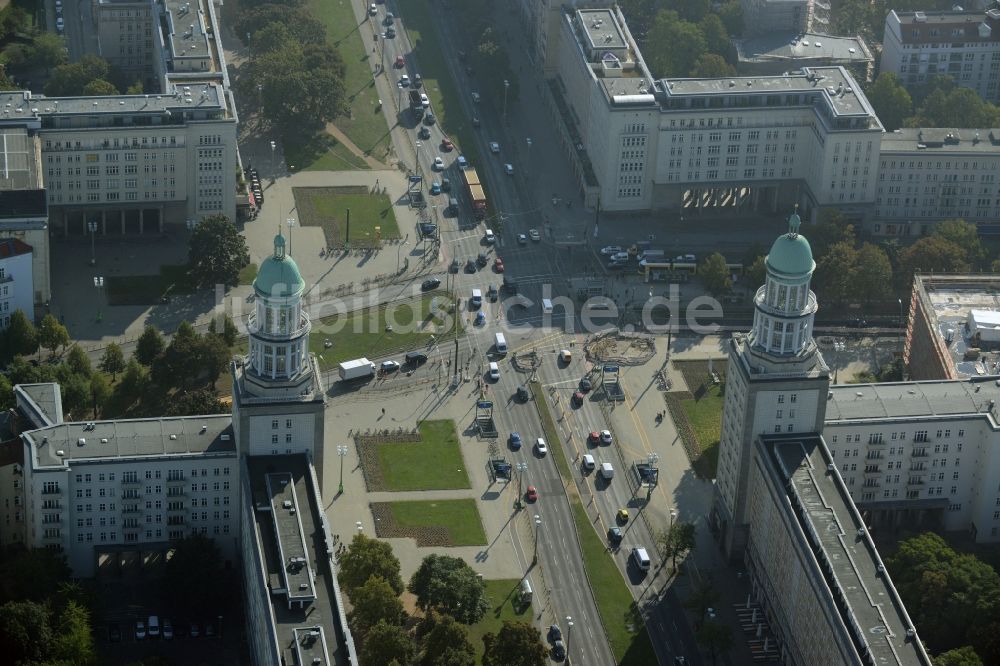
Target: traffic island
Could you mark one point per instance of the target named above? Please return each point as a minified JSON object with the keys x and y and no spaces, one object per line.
{"x":432,"y":523}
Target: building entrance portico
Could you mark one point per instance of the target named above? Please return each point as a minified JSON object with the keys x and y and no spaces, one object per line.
{"x":110,"y":221}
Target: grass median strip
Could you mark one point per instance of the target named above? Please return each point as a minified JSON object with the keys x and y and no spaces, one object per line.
{"x":460,"y":518}
{"x":628,"y":636}
{"x":434,"y":463}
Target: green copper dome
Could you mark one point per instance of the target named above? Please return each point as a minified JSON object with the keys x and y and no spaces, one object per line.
{"x":791,"y":255}
{"x":278,"y":276}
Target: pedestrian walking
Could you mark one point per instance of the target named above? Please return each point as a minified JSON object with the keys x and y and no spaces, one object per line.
{"x":383,"y":411}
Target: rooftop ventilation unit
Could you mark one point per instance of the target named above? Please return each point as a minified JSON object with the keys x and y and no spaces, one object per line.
{"x":173,"y":436}
{"x":81,"y":442}
{"x":60,"y":453}
{"x":104,"y":440}
{"x":287,"y":504}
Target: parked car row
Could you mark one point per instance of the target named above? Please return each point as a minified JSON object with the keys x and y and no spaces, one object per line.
{"x":258,"y":191}
{"x":153,"y":628}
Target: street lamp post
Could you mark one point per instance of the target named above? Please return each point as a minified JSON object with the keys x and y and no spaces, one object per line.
{"x":538,"y":527}
{"x":506,"y":86}
{"x":342,"y":452}
{"x":529,"y":142}
{"x":273,"y":146}
{"x":291,"y":223}
{"x":92,"y":228}
{"x":522,"y":467}
{"x":99,"y":284}
{"x":398,"y":251}
{"x":260,"y":105}
{"x":358,"y":525}
{"x":249,"y":50}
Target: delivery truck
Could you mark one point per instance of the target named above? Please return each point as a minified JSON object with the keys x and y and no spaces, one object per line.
{"x":416,"y":104}
{"x":477,"y":195}
{"x":359,"y":368}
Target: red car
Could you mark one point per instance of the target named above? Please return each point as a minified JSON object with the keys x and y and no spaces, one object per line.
{"x":532,"y":494}
{"x":498,"y":265}
{"x":400,"y":61}
{"x":578,"y":398}
{"x":594,"y":438}
{"x":447,"y":145}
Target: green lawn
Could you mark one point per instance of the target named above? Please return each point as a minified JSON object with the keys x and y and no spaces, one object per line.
{"x":442,"y":90}
{"x":362,"y":334}
{"x":149,"y":289}
{"x":363,"y":125}
{"x":327,"y":207}
{"x":705,"y":415}
{"x":435,"y":463}
{"x":460,"y":517}
{"x":614,"y":600}
{"x":248,"y":273}
{"x":502,"y":594}
{"x":320,"y":152}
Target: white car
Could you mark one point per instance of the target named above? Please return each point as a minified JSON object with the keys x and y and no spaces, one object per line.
{"x":389,"y":366}
{"x":404,"y":80}
{"x":425,"y":101}
{"x":494,"y":147}
{"x":494,"y":371}
{"x":508,"y":169}
{"x":60,"y":24}
{"x":606,"y":437}
{"x":373,"y":10}
{"x":611,"y":249}
{"x":475,"y":97}
{"x":588,"y":462}
{"x":534,"y":235}
{"x":522,"y":239}
{"x":438,"y":164}
{"x":541,"y":446}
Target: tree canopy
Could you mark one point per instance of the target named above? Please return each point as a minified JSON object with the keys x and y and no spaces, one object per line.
{"x":676,"y":541}
{"x":149,"y":346}
{"x":516,"y":644}
{"x":715,"y":275}
{"x":51,"y":334}
{"x":72,"y":79}
{"x":373,"y":601}
{"x":217,"y":252}
{"x":113,"y":360}
{"x":447,"y":643}
{"x":366,"y":557}
{"x":20,"y":338}
{"x":890,"y":100}
{"x":386,"y":644}
{"x":449,"y":585}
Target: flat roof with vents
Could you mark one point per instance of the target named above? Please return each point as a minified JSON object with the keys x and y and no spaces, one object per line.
{"x":601,"y":29}
{"x":296,"y":571}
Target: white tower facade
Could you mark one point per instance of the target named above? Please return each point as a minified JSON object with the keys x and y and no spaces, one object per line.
{"x":278,"y":396}
{"x":776,"y":382}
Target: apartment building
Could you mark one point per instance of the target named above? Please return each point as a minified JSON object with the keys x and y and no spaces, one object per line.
{"x":962,"y":44}
{"x":128,"y":37}
{"x":933,"y":174}
{"x":749,"y":143}
{"x":107,"y":491}
{"x":761,"y":17}
{"x":16,"y":290}
{"x":24,"y":212}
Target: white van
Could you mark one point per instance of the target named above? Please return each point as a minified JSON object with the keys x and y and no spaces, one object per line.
{"x":641,"y":558}
{"x":526,"y":592}
{"x":546,"y":306}
{"x":500,"y":343}
{"x":477,"y":299}
{"x":153,"y":626}
{"x":490,"y":238}
{"x":607,"y":471}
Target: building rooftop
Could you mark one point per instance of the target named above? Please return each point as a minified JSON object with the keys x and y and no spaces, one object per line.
{"x":13,"y":247}
{"x":952,"y":298}
{"x":972,"y":16}
{"x":61,"y":443}
{"x":23,"y":105}
{"x":862,"y":592}
{"x":601,"y":29}
{"x":296,"y":570}
{"x":835,"y":85}
{"x":41,"y":404}
{"x":314,"y":628}
{"x":19,"y":169}
{"x":793,"y":48}
{"x":940,"y":140}
{"x":926,"y":400}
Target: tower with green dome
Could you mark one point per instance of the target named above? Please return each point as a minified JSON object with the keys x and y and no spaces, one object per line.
{"x":776,"y":381}
{"x":278,"y":396}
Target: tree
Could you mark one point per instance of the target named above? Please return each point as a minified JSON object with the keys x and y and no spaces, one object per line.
{"x":213,"y":356}
{"x":516,"y":644}
{"x":303,"y":26}
{"x":78,"y":361}
{"x":134,"y":382}
{"x":673,"y":45}
{"x":715,"y":637}
{"x":449,"y":585}
{"x":703,"y":596}
{"x":100,"y":391}
{"x":833,"y":272}
{"x":52,"y":334}
{"x":193,"y":403}
{"x":891,"y":101}
{"x":149,"y":346}
{"x":365,"y":558}
{"x":387,"y":643}
{"x":48,"y":50}
{"x":16,"y":54}
{"x":677,"y":541}
{"x":731,"y":14}
{"x":73,"y":640}
{"x":217,"y":252}
{"x":716,"y":37}
{"x":963,"y":656}
{"x":871,"y":278}
{"x":69,"y":80}
{"x":25,"y":633}
{"x":31,"y":574}
{"x":6,"y":393}
{"x":173,"y":366}
{"x":965,"y":235}
{"x":447,"y":643}
{"x":193,"y":578}
{"x":953,"y":598}
{"x":375,"y":600}
{"x":99,"y":87}
{"x":75,"y":391}
{"x":20,"y":338}
{"x":714,"y":274}
{"x":113,"y":360}
{"x":689,"y":10}
{"x":755,"y":274}
{"x":711,"y":66}
{"x":229,"y":330}
{"x":931,"y":254}
{"x":831,"y":228}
